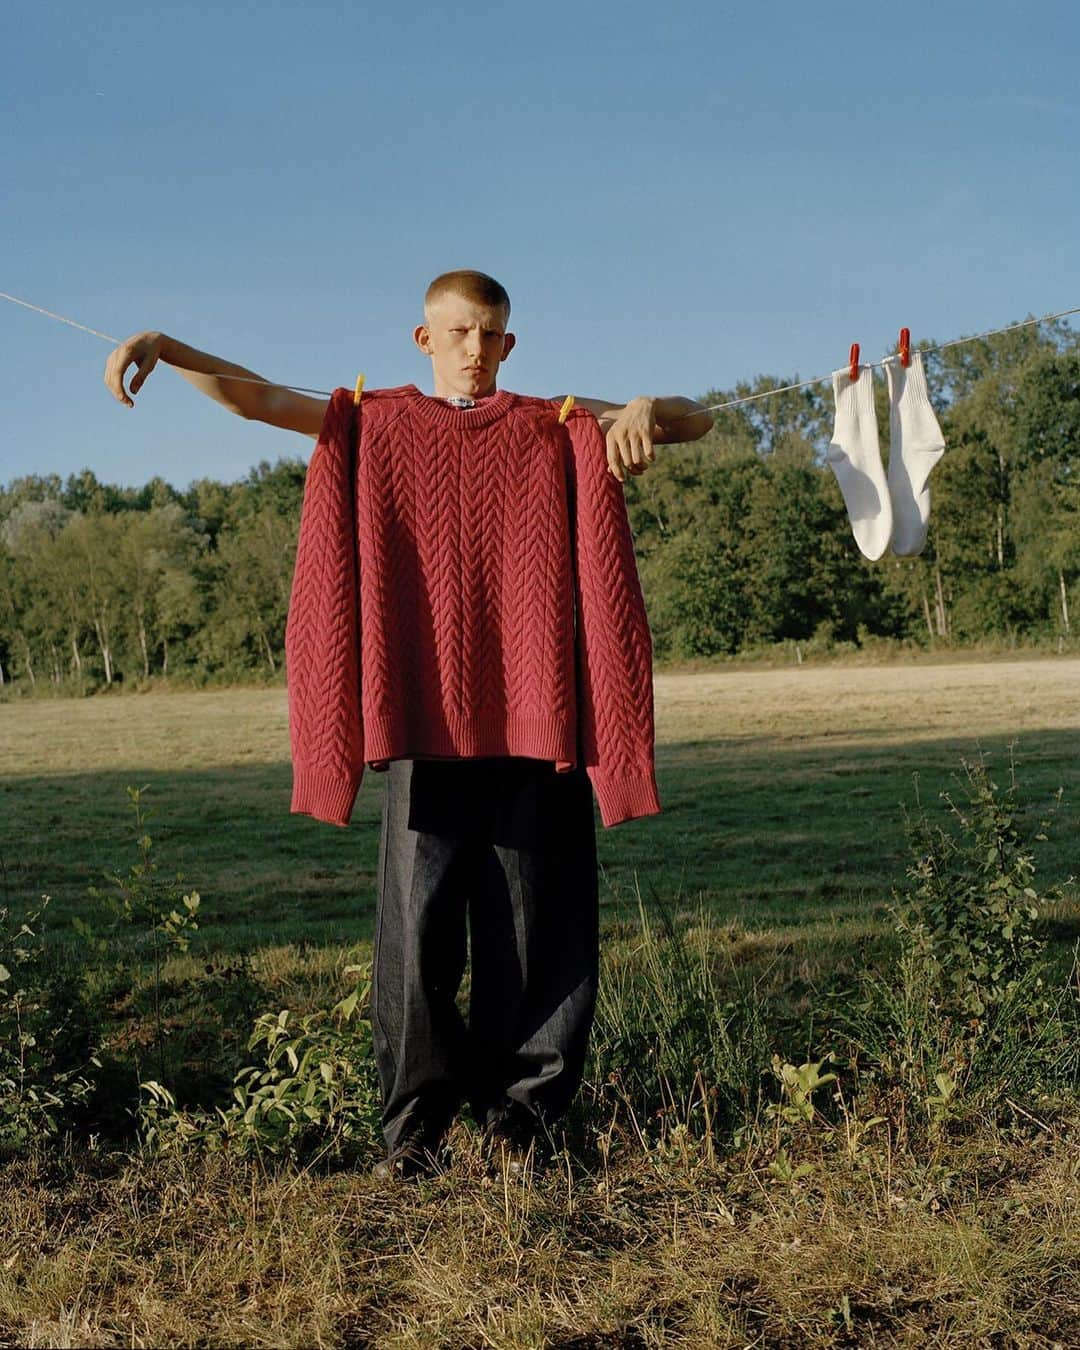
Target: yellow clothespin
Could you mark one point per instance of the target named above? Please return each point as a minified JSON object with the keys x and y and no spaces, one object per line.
{"x":564,"y":411}
{"x":358,"y":391}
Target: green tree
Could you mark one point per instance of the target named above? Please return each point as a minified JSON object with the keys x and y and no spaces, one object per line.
{"x":252,"y":578}
{"x":696,"y":581}
{"x":157,"y":546}
{"x":37,"y":611}
{"x":96,"y":542}
{"x":802,"y":560}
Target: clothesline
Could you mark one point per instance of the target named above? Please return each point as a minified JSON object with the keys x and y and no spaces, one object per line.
{"x":877,"y":365}
{"x":712,"y":407}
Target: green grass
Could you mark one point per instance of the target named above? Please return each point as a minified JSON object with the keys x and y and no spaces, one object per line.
{"x":781,"y":840}
{"x":784,"y":796}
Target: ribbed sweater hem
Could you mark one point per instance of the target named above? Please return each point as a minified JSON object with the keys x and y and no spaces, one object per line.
{"x":323,"y":796}
{"x":625,"y":798}
{"x":553,"y":738}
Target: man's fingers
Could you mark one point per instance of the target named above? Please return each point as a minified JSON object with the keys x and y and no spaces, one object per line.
{"x":146,"y":365}
{"x":141,"y":351}
{"x":634,"y":448}
{"x":613,"y":459}
{"x":115,"y":373}
{"x":629,"y":440}
{"x":115,"y":369}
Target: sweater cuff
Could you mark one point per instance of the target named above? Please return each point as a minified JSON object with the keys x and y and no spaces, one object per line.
{"x":626,"y":798}
{"x":327,"y":799}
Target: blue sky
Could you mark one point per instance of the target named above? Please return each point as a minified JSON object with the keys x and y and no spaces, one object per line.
{"x":677,"y":197}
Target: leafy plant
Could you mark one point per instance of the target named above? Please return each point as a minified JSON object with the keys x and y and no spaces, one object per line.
{"x":798,"y":1083}
{"x":970,"y":918}
{"x":38,"y":1087}
{"x":151,"y":915}
{"x":971,"y":1013}
{"x":313,"y":1090}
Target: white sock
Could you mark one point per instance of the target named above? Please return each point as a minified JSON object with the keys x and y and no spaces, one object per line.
{"x":916,"y":444}
{"x":855,"y":458}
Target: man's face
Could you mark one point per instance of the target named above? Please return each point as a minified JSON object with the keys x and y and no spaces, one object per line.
{"x":467,"y":343}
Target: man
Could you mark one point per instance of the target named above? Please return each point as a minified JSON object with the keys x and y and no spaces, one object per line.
{"x":490,"y":647}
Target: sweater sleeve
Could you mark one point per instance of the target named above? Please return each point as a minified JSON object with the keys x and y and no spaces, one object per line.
{"x":322,"y":634}
{"x":614,"y":646}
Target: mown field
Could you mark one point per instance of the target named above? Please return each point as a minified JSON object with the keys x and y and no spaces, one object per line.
{"x":784,"y":795}
{"x":876,"y":1219}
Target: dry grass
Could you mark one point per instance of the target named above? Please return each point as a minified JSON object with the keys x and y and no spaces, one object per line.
{"x":783,"y":792}
{"x":817,"y":705}
{"x":974,"y":1245}
{"x":882,"y":705}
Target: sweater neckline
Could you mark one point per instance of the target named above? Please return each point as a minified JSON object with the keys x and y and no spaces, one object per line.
{"x":483,"y":411}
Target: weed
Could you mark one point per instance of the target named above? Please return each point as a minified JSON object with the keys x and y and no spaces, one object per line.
{"x":312,"y":1094}
{"x":970,"y":1015}
{"x":39,"y":1087}
{"x":149,"y":913}
{"x":670,"y":1045}
{"x":970,"y":917}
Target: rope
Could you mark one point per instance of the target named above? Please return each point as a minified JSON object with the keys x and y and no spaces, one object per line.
{"x":238,"y":379}
{"x":876,"y":365}
{"x":58,"y":317}
{"x":712,"y":407}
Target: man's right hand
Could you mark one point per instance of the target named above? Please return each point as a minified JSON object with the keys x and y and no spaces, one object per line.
{"x":143,"y":350}
{"x":234,"y":387}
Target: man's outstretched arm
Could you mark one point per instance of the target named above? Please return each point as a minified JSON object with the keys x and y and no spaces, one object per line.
{"x":632,"y":429}
{"x":249,"y":395}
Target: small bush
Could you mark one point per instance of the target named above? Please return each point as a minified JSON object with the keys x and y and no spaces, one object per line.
{"x":313,"y":1094}
{"x":970,"y":1014}
{"x":40,"y":1087}
{"x":970,"y":916}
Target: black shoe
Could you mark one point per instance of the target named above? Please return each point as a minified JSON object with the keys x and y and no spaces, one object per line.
{"x":517,"y":1136}
{"x":416,"y":1154}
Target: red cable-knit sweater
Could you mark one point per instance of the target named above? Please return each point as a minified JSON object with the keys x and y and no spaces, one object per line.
{"x":465,"y":586}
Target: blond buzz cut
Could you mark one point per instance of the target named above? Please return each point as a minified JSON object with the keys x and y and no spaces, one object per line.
{"x":468,"y":285}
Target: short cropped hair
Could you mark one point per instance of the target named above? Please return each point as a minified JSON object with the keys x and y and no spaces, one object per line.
{"x":469,"y":285}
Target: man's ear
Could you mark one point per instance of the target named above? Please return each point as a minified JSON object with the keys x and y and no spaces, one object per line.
{"x":509,"y":343}
{"x":422,"y":337}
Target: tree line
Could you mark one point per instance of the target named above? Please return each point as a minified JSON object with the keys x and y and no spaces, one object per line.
{"x":742,"y":539}
{"x":100,"y":584}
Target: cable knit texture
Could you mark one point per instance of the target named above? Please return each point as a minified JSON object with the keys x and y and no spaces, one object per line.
{"x":465,"y":586}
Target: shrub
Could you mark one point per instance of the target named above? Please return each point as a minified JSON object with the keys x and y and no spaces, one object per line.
{"x":970,"y":916}
{"x":39,"y":1086}
{"x":313,"y":1093}
{"x":970,"y":1014}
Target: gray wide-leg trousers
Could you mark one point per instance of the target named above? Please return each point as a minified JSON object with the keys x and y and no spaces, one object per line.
{"x":505,"y":850}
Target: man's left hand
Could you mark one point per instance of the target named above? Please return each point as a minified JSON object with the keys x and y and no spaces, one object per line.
{"x":630,"y":431}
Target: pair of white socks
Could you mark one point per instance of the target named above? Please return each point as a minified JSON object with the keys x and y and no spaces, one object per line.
{"x":893,"y":510}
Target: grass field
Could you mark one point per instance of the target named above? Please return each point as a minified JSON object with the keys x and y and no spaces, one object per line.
{"x":780,"y":843}
{"x":784,"y":795}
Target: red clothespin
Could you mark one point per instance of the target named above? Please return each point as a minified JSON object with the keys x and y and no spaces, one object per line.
{"x":905,"y":346}
{"x":854,"y":359}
